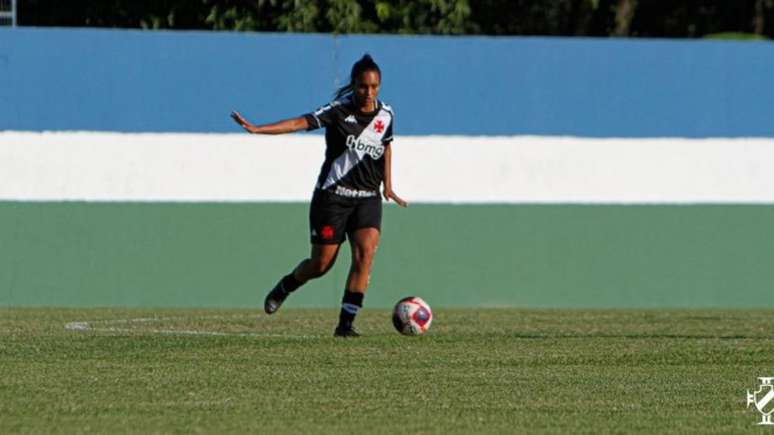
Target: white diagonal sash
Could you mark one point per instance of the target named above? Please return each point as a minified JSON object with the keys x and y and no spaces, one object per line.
{"x":350,"y":158}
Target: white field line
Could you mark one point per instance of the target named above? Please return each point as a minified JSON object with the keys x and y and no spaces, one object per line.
{"x":103,"y":326}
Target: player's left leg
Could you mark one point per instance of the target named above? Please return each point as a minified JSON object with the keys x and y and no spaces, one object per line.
{"x":363,"y":243}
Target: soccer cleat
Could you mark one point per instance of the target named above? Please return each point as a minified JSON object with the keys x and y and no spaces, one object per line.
{"x":275,"y":298}
{"x":345,"y":331}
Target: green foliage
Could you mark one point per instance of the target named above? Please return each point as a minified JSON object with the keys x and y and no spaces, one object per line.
{"x":242,"y":16}
{"x":735,"y":36}
{"x":651,"y":18}
{"x":346,"y":16}
{"x":445,"y":17}
{"x":299,"y":16}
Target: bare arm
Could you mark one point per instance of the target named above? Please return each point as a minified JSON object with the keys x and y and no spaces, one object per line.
{"x":280,"y":127}
{"x":388,"y":193}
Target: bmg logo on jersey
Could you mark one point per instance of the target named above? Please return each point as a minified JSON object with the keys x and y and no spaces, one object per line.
{"x":763,"y":399}
{"x":362,"y":145}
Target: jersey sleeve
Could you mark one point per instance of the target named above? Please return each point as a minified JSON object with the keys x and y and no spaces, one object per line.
{"x":387,"y":139}
{"x":322,"y":117}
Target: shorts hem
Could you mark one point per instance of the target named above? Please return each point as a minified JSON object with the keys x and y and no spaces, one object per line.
{"x":379,"y":228}
{"x":327,"y":242}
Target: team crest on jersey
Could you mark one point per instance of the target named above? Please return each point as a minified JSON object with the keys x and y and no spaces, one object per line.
{"x":379,"y":126}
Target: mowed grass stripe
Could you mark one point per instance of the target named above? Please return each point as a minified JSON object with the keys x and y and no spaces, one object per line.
{"x":477,"y":371}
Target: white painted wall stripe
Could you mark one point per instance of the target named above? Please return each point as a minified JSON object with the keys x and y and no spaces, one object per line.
{"x":92,"y":166}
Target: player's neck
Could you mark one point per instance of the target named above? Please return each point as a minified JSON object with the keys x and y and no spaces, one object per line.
{"x":366,"y":108}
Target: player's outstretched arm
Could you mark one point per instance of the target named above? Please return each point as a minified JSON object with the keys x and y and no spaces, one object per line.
{"x":281,"y":127}
{"x":388,"y":193}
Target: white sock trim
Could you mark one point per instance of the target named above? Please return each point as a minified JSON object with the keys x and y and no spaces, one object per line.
{"x":350,"y":308}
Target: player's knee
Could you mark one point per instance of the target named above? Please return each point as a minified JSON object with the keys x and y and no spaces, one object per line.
{"x":329,"y":265}
{"x":320,"y":266}
{"x":364,"y":257}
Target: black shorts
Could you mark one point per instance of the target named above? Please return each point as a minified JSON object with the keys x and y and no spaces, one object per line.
{"x":332,"y":216}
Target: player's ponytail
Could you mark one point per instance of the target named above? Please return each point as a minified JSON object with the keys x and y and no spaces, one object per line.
{"x":366,"y":63}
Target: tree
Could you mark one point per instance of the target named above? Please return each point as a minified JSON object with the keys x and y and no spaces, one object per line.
{"x":624,"y":12}
{"x":763,"y":17}
{"x":650,"y":18}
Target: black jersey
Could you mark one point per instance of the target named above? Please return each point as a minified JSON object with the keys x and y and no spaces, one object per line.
{"x":355,"y":144}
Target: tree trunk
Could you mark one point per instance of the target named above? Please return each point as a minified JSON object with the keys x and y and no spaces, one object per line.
{"x":624,"y":12}
{"x":759,"y":21}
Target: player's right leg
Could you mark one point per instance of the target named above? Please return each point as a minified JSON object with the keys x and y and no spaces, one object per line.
{"x":328,"y":214}
{"x":319,"y":262}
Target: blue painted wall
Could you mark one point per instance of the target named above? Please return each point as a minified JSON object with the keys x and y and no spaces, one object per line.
{"x":119,"y":80}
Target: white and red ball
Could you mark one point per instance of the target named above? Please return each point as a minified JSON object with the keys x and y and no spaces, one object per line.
{"x":412,"y":316}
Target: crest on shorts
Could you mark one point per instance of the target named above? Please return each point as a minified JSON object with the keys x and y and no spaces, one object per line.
{"x":327,"y":232}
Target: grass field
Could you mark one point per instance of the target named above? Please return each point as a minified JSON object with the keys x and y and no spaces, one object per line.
{"x":477,"y":371}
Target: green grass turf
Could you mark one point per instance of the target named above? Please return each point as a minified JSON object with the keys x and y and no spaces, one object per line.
{"x":477,"y":371}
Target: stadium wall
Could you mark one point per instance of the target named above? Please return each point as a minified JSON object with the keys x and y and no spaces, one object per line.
{"x":542,"y":172}
{"x":140,"y":81}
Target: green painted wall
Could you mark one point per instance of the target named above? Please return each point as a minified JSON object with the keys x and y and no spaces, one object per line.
{"x":227,"y":255}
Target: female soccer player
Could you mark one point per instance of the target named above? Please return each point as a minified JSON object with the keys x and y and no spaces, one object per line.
{"x":358,"y":133}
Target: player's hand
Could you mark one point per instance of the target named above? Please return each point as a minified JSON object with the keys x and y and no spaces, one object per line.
{"x":239,"y":119}
{"x":390,"y":195}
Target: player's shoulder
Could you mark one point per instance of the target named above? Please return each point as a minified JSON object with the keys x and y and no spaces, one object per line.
{"x":340,"y":102}
{"x":335,"y":104}
{"x":387,"y":108}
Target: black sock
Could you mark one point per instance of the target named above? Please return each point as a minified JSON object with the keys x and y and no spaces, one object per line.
{"x":290,"y":283}
{"x":350,"y":304}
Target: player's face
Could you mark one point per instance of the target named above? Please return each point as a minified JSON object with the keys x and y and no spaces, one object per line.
{"x":367,"y":89}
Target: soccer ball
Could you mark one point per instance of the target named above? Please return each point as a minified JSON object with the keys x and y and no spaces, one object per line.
{"x":412,"y":316}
